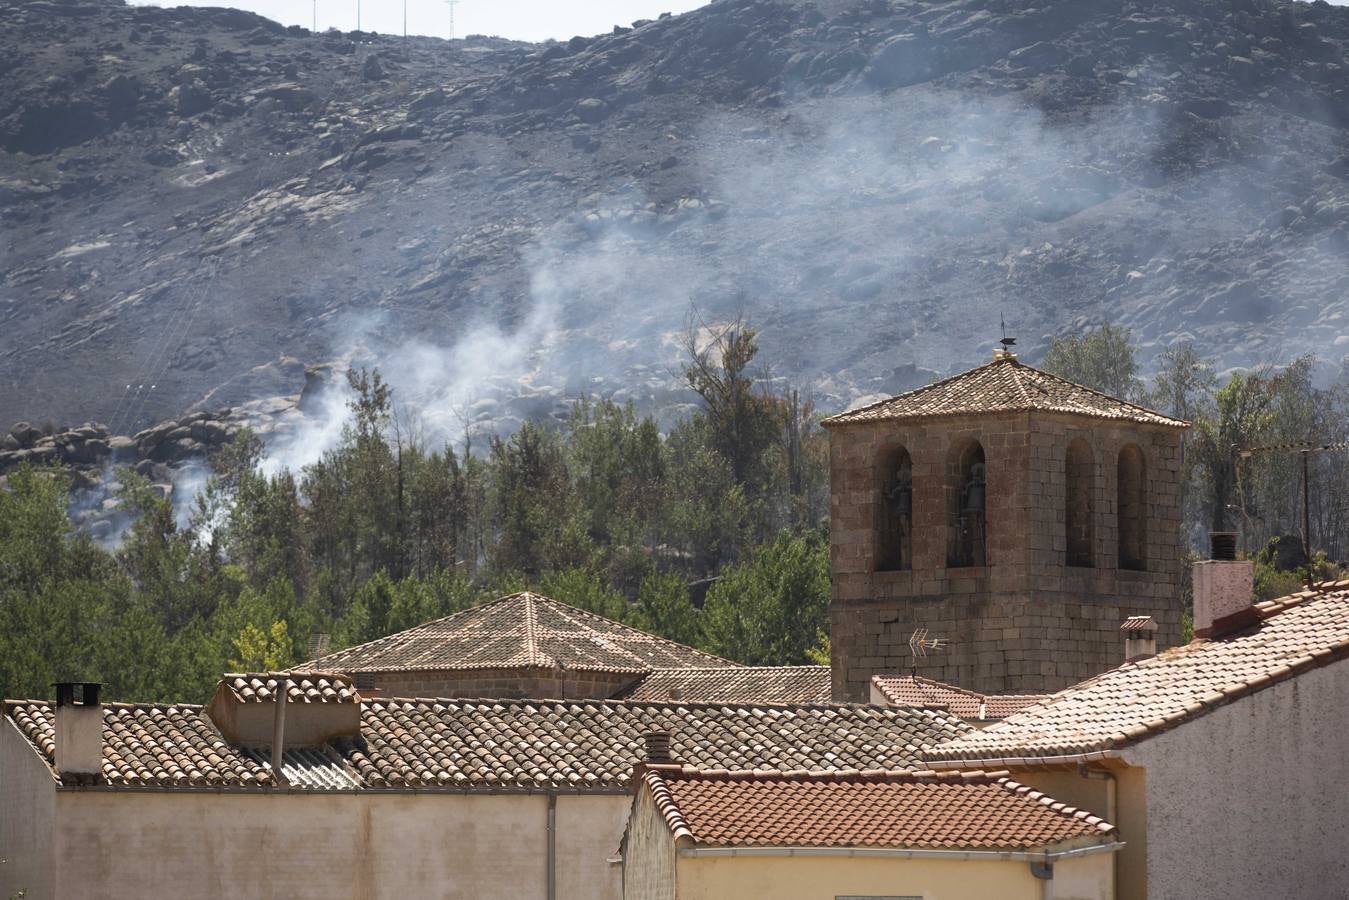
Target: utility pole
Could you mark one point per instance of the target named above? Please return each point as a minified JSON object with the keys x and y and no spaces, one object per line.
{"x":1305,"y":450}
{"x":405,"y":21}
{"x":314,"y":28}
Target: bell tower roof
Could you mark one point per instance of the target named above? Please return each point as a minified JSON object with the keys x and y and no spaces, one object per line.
{"x":1004,"y":385}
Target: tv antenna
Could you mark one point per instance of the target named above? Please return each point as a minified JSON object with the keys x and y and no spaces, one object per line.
{"x":920,"y":643}
{"x":452,"y":4}
{"x":1305,"y":450}
{"x":1007,"y":342}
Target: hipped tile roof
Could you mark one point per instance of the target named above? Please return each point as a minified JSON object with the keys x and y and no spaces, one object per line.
{"x":305,"y":687}
{"x":1142,"y":698}
{"x":1004,"y":385}
{"x":913,"y":810}
{"x":913,"y":690}
{"x":517,"y":631}
{"x":744,"y":684}
{"x":504,"y":744}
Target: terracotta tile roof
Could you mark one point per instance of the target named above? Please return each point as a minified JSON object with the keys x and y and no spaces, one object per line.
{"x":912,"y":810}
{"x":1142,"y":698}
{"x":521,"y":630}
{"x":1004,"y":385}
{"x":1138,"y":624}
{"x":744,"y":684}
{"x":144,"y":745}
{"x":595,"y":743}
{"x":503,"y":744}
{"x":305,"y":687}
{"x":912,"y":690}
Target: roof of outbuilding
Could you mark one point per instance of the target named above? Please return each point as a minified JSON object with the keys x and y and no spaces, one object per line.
{"x":913,"y":690}
{"x":744,"y":684}
{"x":912,"y":810}
{"x":517,"y":631}
{"x":504,"y":744}
{"x":305,"y":687}
{"x":1003,"y":385}
{"x":1139,"y":699}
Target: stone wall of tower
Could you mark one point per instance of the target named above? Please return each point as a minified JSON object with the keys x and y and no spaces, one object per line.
{"x":1026,"y":622}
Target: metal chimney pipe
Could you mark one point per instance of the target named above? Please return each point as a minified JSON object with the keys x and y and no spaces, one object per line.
{"x":279,"y":727}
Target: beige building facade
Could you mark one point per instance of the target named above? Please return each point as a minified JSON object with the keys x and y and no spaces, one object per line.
{"x":1221,"y":763}
{"x":518,"y":799}
{"x":672,"y":851}
{"x":1016,"y":516}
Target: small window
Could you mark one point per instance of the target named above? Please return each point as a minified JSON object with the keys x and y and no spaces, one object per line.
{"x":1131,"y":509}
{"x":365,"y":681}
{"x":1079,"y":519}
{"x":894,"y":512}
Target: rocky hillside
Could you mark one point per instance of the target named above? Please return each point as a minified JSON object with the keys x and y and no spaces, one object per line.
{"x":197,"y":203}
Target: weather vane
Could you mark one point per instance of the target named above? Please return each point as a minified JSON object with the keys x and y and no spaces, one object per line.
{"x":1007,"y":342}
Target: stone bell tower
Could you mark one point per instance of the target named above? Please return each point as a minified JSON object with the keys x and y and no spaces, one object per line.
{"x":1015,"y":514}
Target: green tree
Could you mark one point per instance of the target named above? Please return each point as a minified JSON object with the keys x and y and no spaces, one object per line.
{"x":263,"y":651}
{"x":770,"y":609}
{"x":1102,"y":358}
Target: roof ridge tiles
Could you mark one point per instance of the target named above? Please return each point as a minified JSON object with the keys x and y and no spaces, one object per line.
{"x":1073,"y":398}
{"x":1132,"y":702}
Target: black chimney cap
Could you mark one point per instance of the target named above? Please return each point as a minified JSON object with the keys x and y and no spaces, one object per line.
{"x":1222,"y":545}
{"x":65,"y":692}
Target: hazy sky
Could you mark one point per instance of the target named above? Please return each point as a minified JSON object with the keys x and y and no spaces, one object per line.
{"x":528,"y":20}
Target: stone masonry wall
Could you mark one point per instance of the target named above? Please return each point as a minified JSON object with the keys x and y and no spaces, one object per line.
{"x":1026,"y":622}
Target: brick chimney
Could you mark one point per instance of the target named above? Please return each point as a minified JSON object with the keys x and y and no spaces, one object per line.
{"x":657,"y":755}
{"x":1224,"y":589}
{"x":1140,"y":638}
{"x":79,"y":731}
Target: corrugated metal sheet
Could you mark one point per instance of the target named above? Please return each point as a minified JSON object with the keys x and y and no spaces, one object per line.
{"x":308,"y":769}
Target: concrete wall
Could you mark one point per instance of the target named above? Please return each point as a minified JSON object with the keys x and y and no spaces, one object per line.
{"x":1025,"y":622}
{"x":27,"y":815}
{"x":827,"y":877}
{"x":532,"y":682}
{"x":1249,"y":800}
{"x":649,"y":853}
{"x":1128,"y":813}
{"x":125,"y":844}
{"x":589,"y":831}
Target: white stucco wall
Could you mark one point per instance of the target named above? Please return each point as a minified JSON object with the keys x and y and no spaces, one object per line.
{"x":137,"y":844}
{"x":589,"y":830}
{"x":1250,"y":800}
{"x":27,"y":813}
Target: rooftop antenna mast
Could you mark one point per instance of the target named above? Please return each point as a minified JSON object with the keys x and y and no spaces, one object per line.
{"x":920,"y":643}
{"x":314,"y":28}
{"x":358,"y":16}
{"x":1305,"y":450}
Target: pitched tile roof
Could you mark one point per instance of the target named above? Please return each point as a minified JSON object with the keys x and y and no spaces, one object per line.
{"x":912,"y":690}
{"x":912,"y":810}
{"x":305,"y":687}
{"x":150,"y":745}
{"x":503,"y":744}
{"x":1004,"y":385}
{"x":520,"y":630}
{"x":743,"y":684}
{"x":595,"y":743}
{"x":1142,"y":698}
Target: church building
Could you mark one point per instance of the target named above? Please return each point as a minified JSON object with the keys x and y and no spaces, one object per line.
{"x":1016,"y":517}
